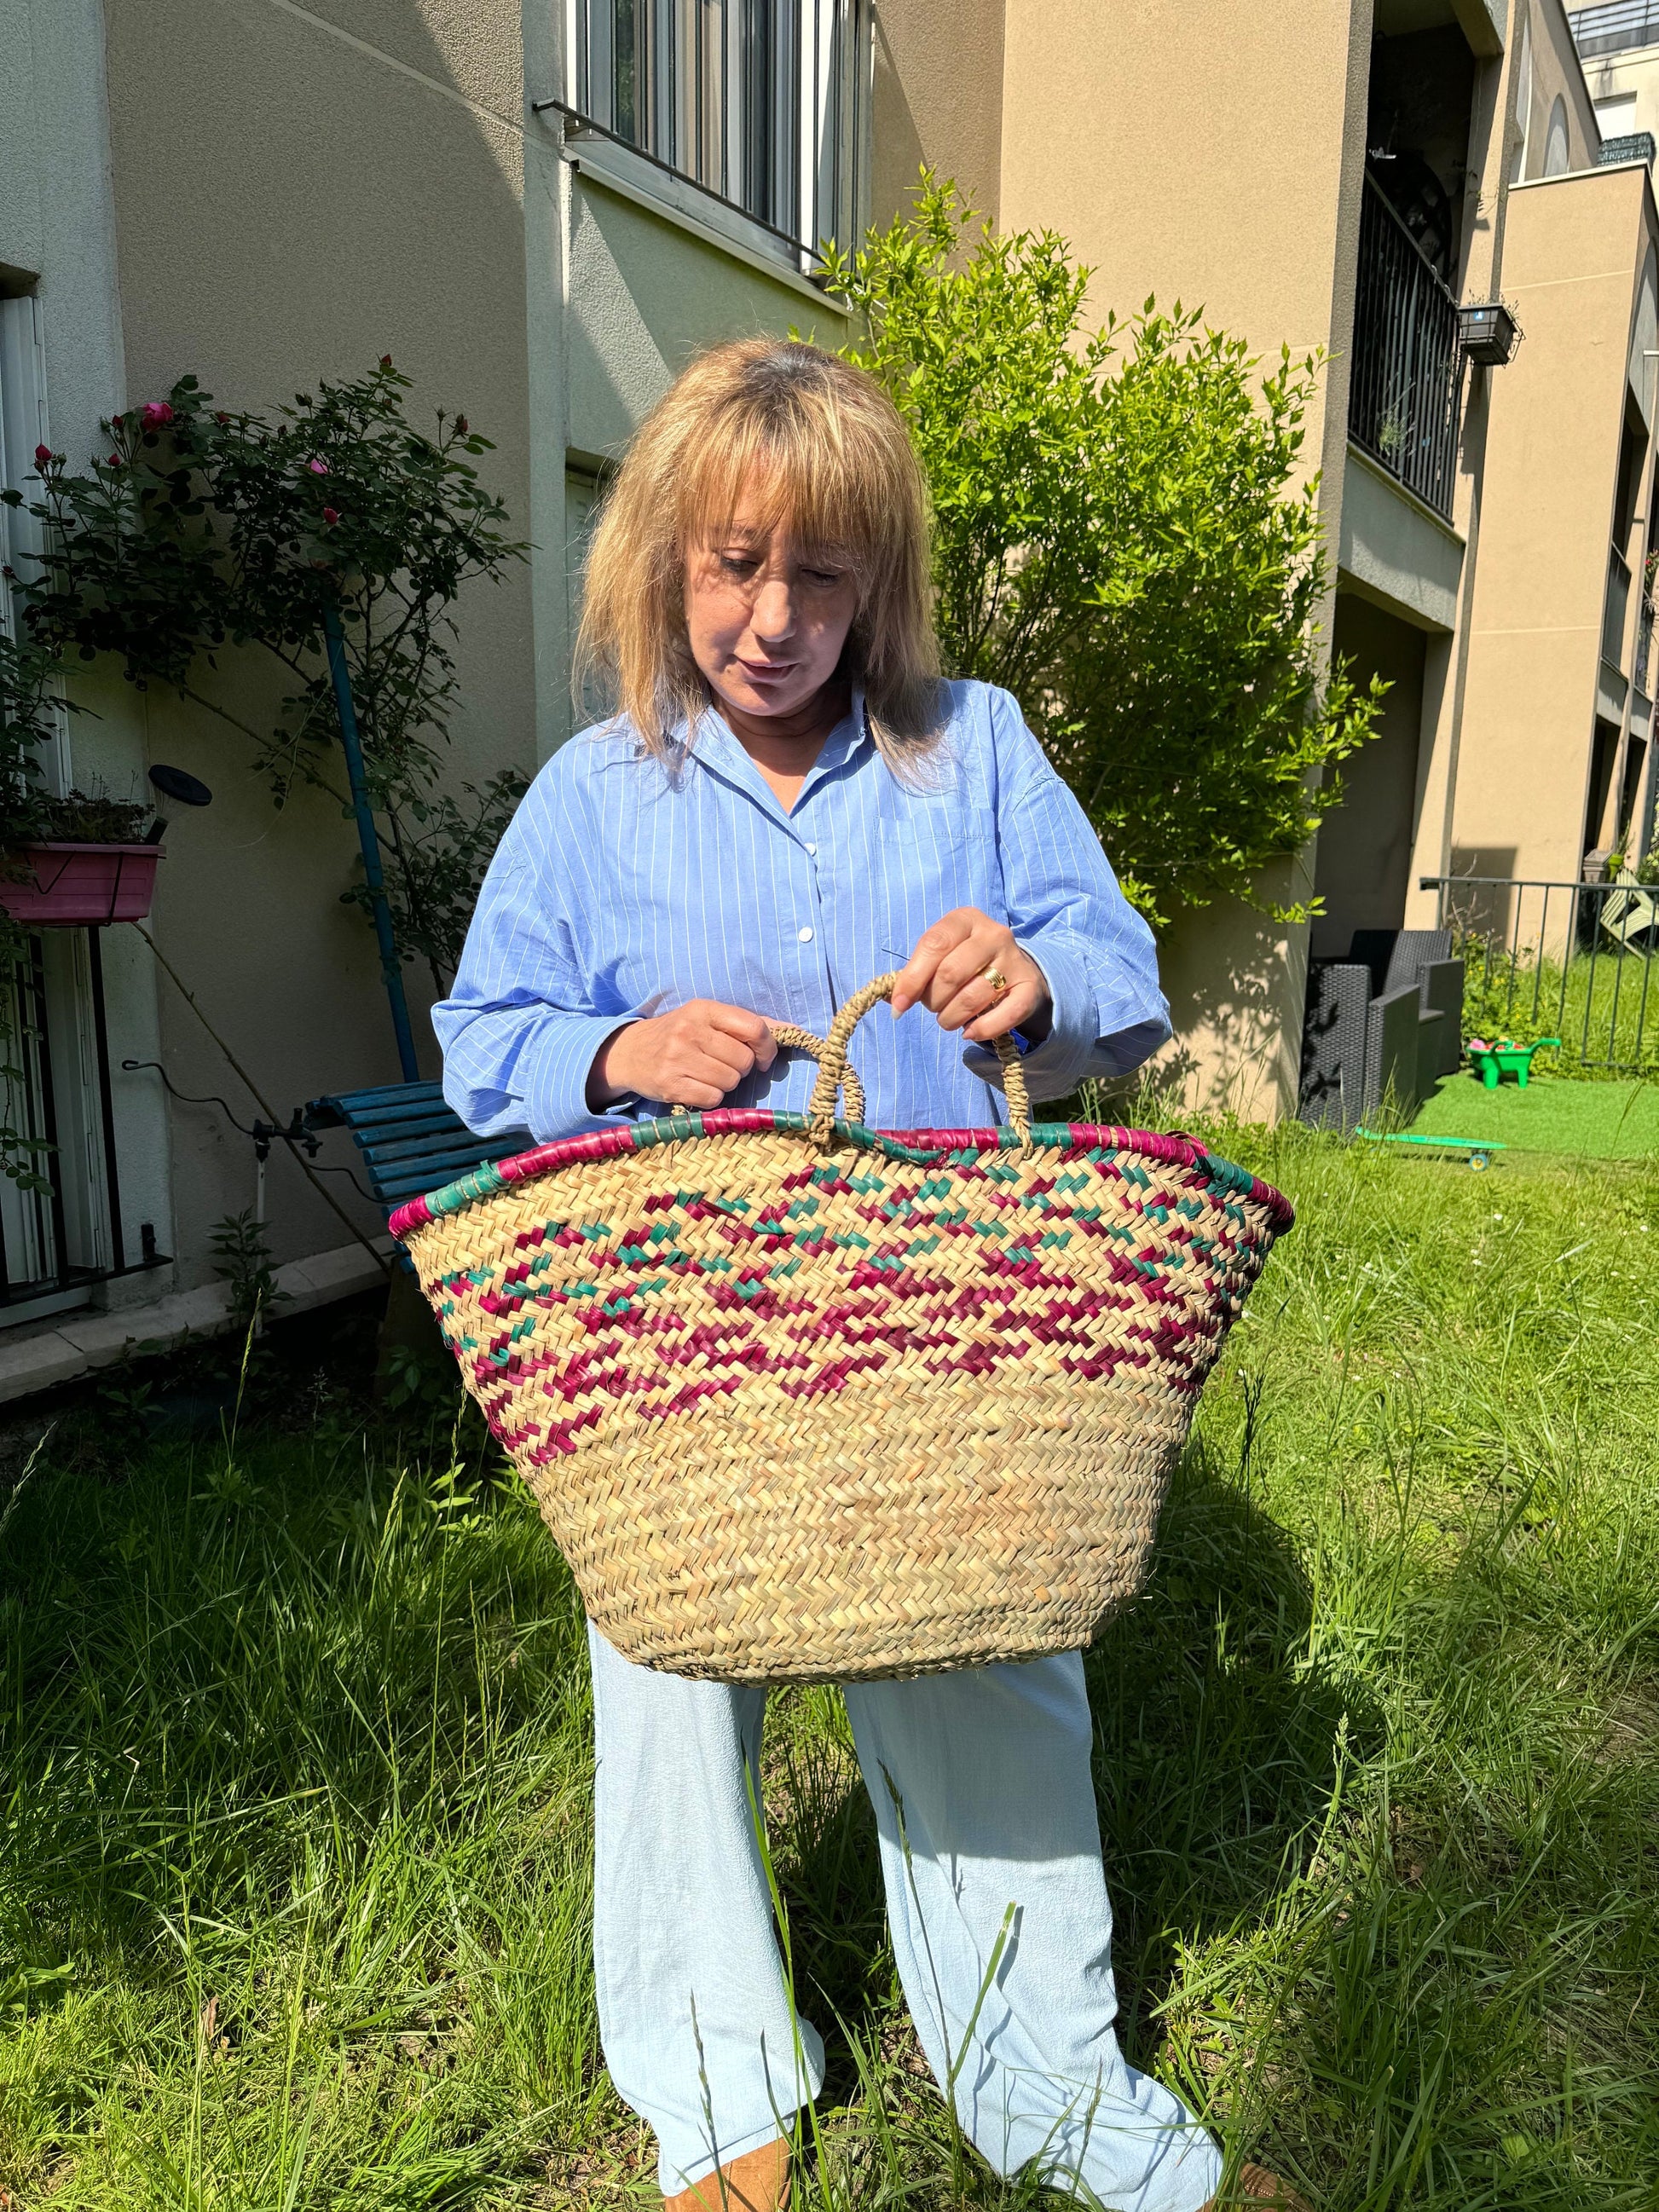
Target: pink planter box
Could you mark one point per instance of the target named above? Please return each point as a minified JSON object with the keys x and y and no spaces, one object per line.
{"x":77,"y":884}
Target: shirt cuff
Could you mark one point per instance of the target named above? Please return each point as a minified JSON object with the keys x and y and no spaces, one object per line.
{"x":1074,"y":1049}
{"x":553,"y":1071}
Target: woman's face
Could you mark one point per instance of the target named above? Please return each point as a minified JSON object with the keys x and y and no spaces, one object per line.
{"x":767,"y":616}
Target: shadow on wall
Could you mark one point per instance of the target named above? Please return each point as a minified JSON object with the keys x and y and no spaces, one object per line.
{"x":896,"y":149}
{"x":1235,"y":980}
{"x":1484,"y":859}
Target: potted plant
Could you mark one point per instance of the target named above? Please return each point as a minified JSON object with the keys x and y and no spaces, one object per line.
{"x":97,"y":866}
{"x":67,"y":862}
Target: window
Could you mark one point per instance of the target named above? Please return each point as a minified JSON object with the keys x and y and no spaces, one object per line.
{"x":1644,"y":339}
{"x":1523,"y":103}
{"x":56,"y":1243}
{"x":1616,"y":117}
{"x":763,"y":103}
{"x":1556,"y":154}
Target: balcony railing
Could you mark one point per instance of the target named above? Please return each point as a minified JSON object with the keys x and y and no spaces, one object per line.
{"x":763,"y":104}
{"x":1615,"y":28}
{"x":1614,"y":609}
{"x":1408,"y":366}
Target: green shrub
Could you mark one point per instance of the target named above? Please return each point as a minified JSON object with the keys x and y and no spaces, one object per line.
{"x":1119,"y":541}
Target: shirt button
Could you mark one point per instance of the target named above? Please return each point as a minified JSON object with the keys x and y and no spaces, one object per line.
{"x":807,"y":937}
{"x":813,"y":850}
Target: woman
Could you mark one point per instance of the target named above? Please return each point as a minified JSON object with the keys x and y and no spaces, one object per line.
{"x":787,"y":804}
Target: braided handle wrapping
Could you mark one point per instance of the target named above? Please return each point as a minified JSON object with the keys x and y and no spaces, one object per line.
{"x":834,"y":1072}
{"x":835,"y":1075}
{"x":800,"y":1040}
{"x":795,"y":1039}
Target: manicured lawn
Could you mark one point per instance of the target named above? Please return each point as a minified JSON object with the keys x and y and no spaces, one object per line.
{"x":293,"y":1873}
{"x":1591,"y":1120}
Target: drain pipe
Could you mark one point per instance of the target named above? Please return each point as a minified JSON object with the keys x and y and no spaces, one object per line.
{"x":392,"y":972}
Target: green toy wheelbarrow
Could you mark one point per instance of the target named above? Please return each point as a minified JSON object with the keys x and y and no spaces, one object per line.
{"x":1492,"y":1062}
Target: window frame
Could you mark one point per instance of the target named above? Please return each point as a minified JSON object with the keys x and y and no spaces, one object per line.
{"x":759,"y":110}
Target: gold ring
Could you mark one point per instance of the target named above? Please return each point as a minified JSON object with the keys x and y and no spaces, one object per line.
{"x":999,"y":982}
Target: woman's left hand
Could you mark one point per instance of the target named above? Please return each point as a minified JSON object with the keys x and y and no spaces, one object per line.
{"x":947,"y":972}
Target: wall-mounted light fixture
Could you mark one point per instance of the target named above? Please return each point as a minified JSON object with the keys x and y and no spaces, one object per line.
{"x":1489,"y":333}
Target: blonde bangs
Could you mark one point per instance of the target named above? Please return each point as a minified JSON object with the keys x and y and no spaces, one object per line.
{"x":800,"y":439}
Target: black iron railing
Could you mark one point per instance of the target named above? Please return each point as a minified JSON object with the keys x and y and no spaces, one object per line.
{"x":1574,"y":961}
{"x":1408,"y":364}
{"x":1616,"y":27}
{"x":1633,"y":146}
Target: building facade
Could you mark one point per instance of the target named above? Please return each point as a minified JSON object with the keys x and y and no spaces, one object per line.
{"x":542,"y":209}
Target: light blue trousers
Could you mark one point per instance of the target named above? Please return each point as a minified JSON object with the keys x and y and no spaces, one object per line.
{"x":991,"y":1768}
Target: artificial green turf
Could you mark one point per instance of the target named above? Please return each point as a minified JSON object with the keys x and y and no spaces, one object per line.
{"x":294,"y":1838}
{"x":1588,"y":1121}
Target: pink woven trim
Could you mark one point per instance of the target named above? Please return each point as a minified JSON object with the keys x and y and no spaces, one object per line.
{"x":723,"y":1120}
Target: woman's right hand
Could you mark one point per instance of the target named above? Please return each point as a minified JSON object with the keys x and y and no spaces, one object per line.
{"x":691,"y":1057}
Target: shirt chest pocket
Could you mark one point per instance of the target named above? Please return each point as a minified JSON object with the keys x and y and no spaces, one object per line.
{"x":925,"y":863}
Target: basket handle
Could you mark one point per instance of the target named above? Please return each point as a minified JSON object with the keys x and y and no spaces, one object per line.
{"x":834,"y":1072}
{"x":795,"y":1039}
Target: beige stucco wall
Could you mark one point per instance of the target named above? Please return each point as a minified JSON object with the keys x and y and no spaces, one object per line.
{"x":1557,"y":73}
{"x":1573,"y":252}
{"x":1182,"y":148}
{"x":1503,"y":91}
{"x":297,"y":193}
{"x":645,"y":296}
{"x":938,"y":102}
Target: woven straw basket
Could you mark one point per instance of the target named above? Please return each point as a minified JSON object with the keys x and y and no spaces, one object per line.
{"x":803,"y":1401}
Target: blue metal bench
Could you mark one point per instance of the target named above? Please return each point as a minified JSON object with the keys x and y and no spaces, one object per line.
{"x":411,"y":1141}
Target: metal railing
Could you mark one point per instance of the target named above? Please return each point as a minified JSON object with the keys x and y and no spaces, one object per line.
{"x":1572,"y":961}
{"x":1644,"y":649}
{"x":763,"y":105}
{"x":1408,"y":363}
{"x":1633,"y":146}
{"x":1615,"y":28}
{"x":1614,"y":608}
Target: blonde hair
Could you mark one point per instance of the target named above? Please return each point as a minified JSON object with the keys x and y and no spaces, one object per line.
{"x":825,"y":453}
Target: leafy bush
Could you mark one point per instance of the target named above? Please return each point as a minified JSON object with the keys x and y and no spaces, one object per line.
{"x":1118,"y":541}
{"x":28,"y":712}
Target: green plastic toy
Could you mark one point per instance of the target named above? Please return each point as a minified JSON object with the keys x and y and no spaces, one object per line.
{"x":1475,"y":1151}
{"x":1492,"y":1062}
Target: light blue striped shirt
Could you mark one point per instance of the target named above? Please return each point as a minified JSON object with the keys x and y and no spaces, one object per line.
{"x":624,"y":888}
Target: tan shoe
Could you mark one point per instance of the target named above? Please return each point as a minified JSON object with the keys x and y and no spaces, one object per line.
{"x":757,"y":2182}
{"x":1255,"y":2185}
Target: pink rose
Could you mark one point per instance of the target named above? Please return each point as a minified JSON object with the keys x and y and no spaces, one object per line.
{"x":317,"y":468}
{"x":331,"y":514}
{"x":43,"y":454}
{"x":156,"y":414}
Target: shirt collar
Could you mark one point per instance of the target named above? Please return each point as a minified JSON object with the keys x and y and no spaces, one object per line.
{"x":717,"y":750}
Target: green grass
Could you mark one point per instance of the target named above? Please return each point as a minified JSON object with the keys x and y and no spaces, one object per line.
{"x":294,"y":1875}
{"x":1591,"y":1120}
